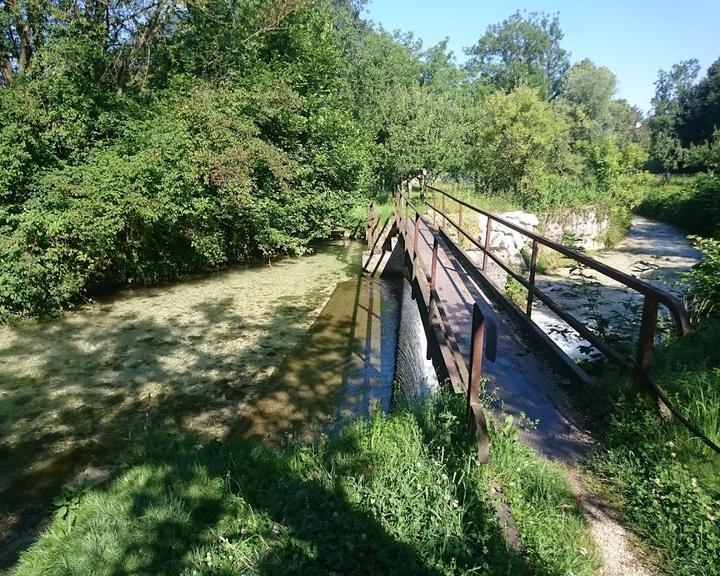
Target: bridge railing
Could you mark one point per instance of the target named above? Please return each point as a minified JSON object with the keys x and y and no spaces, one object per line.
{"x":653,"y":297}
{"x":483,"y":333}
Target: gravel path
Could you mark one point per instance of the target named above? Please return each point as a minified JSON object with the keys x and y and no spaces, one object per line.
{"x":613,"y":540}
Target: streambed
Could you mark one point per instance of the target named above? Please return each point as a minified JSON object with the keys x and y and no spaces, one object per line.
{"x":653,"y":251}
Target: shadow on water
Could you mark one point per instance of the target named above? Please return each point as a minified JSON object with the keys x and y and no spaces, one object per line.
{"x":341,"y":370}
{"x":76,"y":394}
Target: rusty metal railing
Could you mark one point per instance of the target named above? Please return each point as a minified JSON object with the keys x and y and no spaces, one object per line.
{"x":482,"y":339}
{"x":653,"y":297}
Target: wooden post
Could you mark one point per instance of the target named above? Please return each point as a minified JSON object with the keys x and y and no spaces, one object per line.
{"x":533,"y":264}
{"x":460,"y":225}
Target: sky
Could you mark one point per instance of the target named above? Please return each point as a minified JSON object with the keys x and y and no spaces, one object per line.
{"x":633,"y":38}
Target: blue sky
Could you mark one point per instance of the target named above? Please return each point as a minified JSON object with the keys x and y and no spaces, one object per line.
{"x":634,"y":38}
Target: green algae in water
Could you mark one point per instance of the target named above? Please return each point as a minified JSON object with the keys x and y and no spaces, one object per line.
{"x":186,"y":357}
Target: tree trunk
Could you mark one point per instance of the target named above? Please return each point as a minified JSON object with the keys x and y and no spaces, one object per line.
{"x":6,"y":71}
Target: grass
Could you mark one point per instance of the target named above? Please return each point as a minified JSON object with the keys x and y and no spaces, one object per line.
{"x":490,"y":202}
{"x":691,"y":202}
{"x":357,"y":218}
{"x":398,"y":494}
{"x":665,"y":480}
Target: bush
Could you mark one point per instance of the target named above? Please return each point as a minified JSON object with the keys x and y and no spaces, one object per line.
{"x":691,"y":203}
{"x":192,"y":186}
{"x":703,"y":280}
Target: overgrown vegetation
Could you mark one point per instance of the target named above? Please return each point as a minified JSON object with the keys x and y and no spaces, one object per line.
{"x":147,"y":139}
{"x":693,"y":203}
{"x":399,"y":494}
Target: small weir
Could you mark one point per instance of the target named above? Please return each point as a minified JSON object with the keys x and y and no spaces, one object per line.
{"x":367,"y":343}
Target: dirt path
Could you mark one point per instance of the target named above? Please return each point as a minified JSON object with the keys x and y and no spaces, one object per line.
{"x":613,"y":540}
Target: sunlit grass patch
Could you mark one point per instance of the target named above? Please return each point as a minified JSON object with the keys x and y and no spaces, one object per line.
{"x":399,"y":494}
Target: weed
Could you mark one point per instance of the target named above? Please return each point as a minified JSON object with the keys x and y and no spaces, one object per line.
{"x":516,"y":292}
{"x":67,"y":503}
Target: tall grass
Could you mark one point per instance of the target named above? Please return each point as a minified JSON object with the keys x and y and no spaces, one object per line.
{"x":399,"y":494}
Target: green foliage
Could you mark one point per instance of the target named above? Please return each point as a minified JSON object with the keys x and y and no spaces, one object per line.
{"x":703,"y":279}
{"x":519,"y":142}
{"x":396,"y":495}
{"x":192,"y":187}
{"x":590,"y":88}
{"x":145,"y":139}
{"x":523,"y":50}
{"x":67,"y":503}
{"x":685,"y":117}
{"x":691,"y":203}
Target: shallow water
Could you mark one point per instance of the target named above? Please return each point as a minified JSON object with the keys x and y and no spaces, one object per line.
{"x":653,"y":251}
{"x":199,"y":357}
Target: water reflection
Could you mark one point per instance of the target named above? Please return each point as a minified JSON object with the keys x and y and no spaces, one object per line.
{"x":341,"y":370}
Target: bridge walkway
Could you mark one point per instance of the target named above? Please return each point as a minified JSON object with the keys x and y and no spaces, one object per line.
{"x":522,"y":382}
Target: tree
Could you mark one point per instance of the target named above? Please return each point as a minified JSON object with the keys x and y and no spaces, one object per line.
{"x":522,"y":50}
{"x":589,"y":88}
{"x":699,"y":108}
{"x":666,"y":150}
{"x":519,"y":140}
{"x":672,"y":84}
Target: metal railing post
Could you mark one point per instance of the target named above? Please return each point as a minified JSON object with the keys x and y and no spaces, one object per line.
{"x":475,"y":414}
{"x":460,"y":226}
{"x":648,"y":325}
{"x":486,"y":246}
{"x":533,"y":265}
{"x":444,"y":209}
{"x":434,"y":210}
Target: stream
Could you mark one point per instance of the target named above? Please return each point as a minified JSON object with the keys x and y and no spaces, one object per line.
{"x":264,"y":351}
{"x":653,"y":251}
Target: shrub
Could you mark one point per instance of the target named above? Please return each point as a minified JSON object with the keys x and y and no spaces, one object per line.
{"x":703,"y":279}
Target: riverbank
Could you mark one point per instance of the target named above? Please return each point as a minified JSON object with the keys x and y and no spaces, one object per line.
{"x":399,"y":494}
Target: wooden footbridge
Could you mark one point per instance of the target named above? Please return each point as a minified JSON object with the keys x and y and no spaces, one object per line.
{"x":468,"y":318}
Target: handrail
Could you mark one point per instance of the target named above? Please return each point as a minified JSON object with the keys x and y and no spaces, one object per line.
{"x":673,"y":304}
{"x":652,"y":298}
{"x":483,"y":334}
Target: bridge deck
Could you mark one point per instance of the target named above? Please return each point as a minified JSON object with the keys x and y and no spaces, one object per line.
{"x":523,"y":382}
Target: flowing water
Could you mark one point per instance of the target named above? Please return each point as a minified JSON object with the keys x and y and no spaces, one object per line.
{"x":265,"y":351}
{"x":653,"y":251}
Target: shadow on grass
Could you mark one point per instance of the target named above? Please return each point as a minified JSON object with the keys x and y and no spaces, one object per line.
{"x":201,"y":507}
{"x":77,"y":393}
